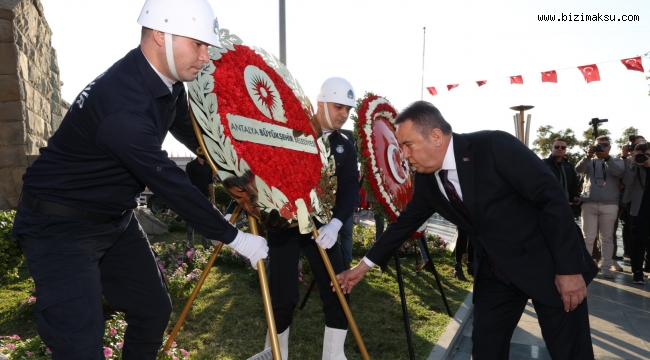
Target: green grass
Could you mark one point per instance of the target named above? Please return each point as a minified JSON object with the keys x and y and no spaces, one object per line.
{"x":227,"y":320}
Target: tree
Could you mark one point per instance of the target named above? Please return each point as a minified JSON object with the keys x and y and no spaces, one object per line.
{"x":545,"y":136}
{"x":624,"y":139}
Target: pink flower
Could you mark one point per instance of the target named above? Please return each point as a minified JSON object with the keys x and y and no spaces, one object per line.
{"x":48,"y":351}
{"x":174,"y":344}
{"x":168,"y":352}
{"x":29,"y":354}
{"x":442,"y":246}
{"x":113,"y":331}
{"x":16,"y":337}
{"x":11,"y":346}
{"x":174,"y":358}
{"x":31,"y":299}
{"x":185,"y":353}
{"x":108,"y":352}
{"x":120,"y":345}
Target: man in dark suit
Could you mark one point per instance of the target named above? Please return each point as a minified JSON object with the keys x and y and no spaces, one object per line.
{"x":516,"y":214}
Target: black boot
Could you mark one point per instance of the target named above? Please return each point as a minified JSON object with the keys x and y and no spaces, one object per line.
{"x":458,"y":272}
{"x":470,"y":268}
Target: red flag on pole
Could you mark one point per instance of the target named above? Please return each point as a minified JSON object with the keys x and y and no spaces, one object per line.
{"x":590,"y":72}
{"x":633,"y":64}
{"x":432,"y":91}
{"x":516,"y":79}
{"x":549,"y":76}
{"x":481,"y":82}
{"x":449,"y":87}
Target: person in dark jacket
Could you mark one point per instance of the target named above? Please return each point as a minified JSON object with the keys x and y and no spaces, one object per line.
{"x":563,"y":170}
{"x":335,"y":101}
{"x":75,"y":218}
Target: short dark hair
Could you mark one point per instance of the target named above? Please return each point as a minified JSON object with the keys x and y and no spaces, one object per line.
{"x":425,"y":116}
{"x":558,"y":139}
{"x":639,"y":137}
{"x":145,"y":32}
{"x":603,"y":138}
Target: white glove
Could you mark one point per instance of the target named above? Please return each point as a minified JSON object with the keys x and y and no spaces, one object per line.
{"x":328,"y":233}
{"x":251,"y":246}
{"x":215,"y":242}
{"x":227,"y":217}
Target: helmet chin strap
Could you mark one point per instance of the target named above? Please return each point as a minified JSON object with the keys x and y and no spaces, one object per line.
{"x":327,"y":117}
{"x":170,"y":56}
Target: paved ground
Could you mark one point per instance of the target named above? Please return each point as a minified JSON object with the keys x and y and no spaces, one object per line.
{"x":619,"y":314}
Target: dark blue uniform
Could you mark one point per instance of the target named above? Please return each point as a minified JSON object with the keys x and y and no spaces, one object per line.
{"x":75,"y":219}
{"x":285,"y":247}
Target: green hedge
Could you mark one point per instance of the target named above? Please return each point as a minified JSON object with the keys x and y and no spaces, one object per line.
{"x":11,"y":253}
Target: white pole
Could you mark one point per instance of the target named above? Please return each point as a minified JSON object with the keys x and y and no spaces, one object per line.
{"x":424,"y":41}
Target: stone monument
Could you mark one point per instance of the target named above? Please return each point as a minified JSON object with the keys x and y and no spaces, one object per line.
{"x":31,"y":107}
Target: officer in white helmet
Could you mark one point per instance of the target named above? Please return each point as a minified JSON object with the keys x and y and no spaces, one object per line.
{"x":335,"y":101}
{"x":75,"y":218}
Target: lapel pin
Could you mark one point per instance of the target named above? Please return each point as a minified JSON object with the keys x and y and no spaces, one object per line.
{"x":466,"y":159}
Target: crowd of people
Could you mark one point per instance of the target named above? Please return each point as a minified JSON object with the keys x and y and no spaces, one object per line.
{"x":82,"y":242}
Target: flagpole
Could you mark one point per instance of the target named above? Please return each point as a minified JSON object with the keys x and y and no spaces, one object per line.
{"x":424,"y":41}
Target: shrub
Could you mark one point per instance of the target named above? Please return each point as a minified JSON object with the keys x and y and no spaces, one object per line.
{"x":34,"y":348}
{"x":11,"y":253}
{"x":363,"y":238}
{"x":173,"y":221}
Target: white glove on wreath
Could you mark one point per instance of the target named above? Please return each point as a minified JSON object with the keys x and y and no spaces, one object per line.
{"x":251,"y":246}
{"x":328,"y":233}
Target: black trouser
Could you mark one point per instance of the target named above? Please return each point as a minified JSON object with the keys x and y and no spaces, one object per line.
{"x":463,"y":245}
{"x":640,"y":233}
{"x":283,"y":279}
{"x":498,"y":308}
{"x":626,"y":219}
{"x":73,"y":262}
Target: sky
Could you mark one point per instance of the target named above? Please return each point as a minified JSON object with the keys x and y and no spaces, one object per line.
{"x":378,"y":46}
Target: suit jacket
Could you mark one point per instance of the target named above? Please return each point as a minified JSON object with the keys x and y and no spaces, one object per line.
{"x":634,"y":179}
{"x":518,"y":215}
{"x":571,"y":176}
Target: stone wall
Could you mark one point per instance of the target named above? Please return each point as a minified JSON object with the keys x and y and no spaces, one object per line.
{"x":31,"y":108}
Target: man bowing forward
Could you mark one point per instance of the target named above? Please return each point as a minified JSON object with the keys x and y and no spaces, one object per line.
{"x":526,"y":242}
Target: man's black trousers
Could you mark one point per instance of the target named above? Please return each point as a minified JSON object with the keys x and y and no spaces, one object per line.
{"x":75,"y":262}
{"x":498,"y":308}
{"x":640,"y":234}
{"x":283,"y":278}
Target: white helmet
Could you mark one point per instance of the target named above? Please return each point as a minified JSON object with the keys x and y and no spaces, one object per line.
{"x":190,"y":18}
{"x":337,"y":90}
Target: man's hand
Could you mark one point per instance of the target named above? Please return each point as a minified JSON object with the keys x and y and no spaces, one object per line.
{"x":590,"y":151}
{"x":349,"y":278}
{"x":572,"y":289}
{"x":625,"y":151}
{"x":576,"y":201}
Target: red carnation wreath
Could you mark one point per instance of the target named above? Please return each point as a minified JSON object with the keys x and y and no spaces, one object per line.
{"x":388,"y":178}
{"x":256,"y":127}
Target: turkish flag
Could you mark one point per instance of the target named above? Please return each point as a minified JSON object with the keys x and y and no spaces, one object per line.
{"x":432,"y":91}
{"x":516,"y":79}
{"x":549,"y":76}
{"x":590,"y":72}
{"x":633,"y":64}
{"x":481,"y":82}
{"x":449,"y":87}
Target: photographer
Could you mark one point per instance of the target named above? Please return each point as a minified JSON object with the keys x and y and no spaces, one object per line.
{"x":563,"y":170}
{"x":636,"y":179}
{"x":600,"y":199}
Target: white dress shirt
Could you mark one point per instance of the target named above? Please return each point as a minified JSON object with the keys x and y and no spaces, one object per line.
{"x":449,"y":164}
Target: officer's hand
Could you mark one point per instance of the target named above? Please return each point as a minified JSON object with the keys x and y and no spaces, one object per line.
{"x":251,"y":246}
{"x":328,"y":233}
{"x":572,"y":289}
{"x":591,"y":151}
{"x":227,"y":217}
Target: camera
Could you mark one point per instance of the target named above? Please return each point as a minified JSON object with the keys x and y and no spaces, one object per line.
{"x":594,"y":123}
{"x":599,"y":148}
{"x":643,"y":156}
{"x":631,"y":136}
